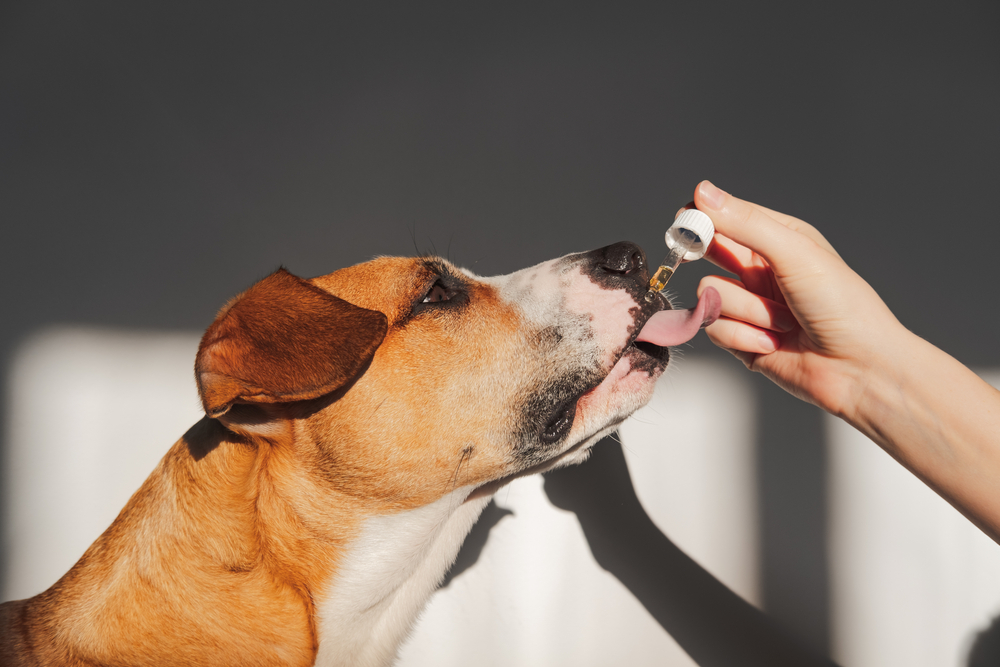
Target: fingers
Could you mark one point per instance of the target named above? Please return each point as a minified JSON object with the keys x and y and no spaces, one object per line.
{"x":750,"y":325}
{"x":742,"y":305}
{"x":740,"y":337}
{"x":782,"y":240}
{"x":730,"y":256}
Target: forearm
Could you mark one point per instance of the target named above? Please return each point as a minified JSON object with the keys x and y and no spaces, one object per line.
{"x":940,"y":420}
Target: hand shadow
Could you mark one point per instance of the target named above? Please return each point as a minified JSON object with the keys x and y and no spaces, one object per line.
{"x":714,"y":625}
{"x":985,"y":649}
{"x":472,"y":548}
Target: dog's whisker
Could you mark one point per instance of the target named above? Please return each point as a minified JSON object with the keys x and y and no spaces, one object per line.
{"x":413,"y":238}
{"x":465,"y":458}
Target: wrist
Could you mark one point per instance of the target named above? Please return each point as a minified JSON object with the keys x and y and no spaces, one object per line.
{"x":878,"y":383}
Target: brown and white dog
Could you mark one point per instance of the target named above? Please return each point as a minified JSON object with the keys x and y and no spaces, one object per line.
{"x":356,"y":426}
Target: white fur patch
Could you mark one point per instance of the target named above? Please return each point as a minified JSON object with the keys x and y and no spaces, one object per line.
{"x":385,"y":578}
{"x":554,"y":294}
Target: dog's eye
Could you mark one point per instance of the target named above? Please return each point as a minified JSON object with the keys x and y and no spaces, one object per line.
{"x":437,"y":293}
{"x":445,"y":294}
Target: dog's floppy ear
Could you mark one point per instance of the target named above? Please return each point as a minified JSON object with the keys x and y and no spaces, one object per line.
{"x":283,"y":340}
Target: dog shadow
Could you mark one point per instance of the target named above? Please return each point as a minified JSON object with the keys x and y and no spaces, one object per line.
{"x":714,"y":625}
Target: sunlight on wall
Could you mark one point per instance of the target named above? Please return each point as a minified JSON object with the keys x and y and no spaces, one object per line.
{"x":91,"y":414}
{"x":913,"y":580}
{"x":691,"y":453}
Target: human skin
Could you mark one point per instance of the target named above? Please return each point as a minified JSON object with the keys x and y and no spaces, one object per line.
{"x":796,"y":313}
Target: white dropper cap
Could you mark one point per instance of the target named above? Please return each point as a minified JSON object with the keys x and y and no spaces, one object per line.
{"x":691,"y":223}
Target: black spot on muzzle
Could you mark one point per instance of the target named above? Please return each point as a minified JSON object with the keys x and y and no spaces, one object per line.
{"x":620,"y":265}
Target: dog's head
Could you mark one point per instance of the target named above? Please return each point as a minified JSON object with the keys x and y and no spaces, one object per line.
{"x":407,"y":378}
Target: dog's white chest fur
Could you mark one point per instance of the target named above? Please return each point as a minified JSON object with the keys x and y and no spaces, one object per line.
{"x":386,"y":577}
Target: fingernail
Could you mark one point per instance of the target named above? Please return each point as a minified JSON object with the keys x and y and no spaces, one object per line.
{"x":767,"y":343}
{"x":712,"y":196}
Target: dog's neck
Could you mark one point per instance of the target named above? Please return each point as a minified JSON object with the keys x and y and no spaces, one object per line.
{"x":386,"y":576}
{"x":227,"y":525}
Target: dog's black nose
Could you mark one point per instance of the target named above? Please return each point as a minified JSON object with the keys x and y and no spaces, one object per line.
{"x":617,"y":266}
{"x":622,"y":258}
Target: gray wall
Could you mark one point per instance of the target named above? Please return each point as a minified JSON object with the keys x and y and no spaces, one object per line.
{"x":156,"y":160}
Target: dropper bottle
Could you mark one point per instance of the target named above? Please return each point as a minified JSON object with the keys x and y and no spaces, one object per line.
{"x":687,"y":239}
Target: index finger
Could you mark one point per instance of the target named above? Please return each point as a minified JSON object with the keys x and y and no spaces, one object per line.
{"x":785,"y":248}
{"x":797,"y":225}
{"x":789,"y":221}
{"x":730,"y":256}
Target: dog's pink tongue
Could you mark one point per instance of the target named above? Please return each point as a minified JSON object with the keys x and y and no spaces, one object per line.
{"x":675,"y":327}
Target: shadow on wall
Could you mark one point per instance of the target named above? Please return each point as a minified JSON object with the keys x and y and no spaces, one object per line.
{"x":472,"y":548}
{"x":714,"y":625}
{"x":985,"y":651}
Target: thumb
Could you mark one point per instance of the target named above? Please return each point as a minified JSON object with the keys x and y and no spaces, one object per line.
{"x":784,"y":248}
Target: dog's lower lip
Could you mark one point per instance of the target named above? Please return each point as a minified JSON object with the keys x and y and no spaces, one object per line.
{"x":645,"y":347}
{"x":648,"y":348}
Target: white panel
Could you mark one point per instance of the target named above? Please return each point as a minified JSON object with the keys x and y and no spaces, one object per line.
{"x":91,"y":414}
{"x":913,"y":581}
{"x":537,"y":596}
{"x":691,"y":453}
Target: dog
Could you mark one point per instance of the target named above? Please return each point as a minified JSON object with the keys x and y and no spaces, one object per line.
{"x":356,"y":425}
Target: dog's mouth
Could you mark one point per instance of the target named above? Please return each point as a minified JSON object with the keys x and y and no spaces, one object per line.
{"x":649,"y":345}
{"x":651,"y":350}
{"x":669,"y":327}
{"x":647,"y":351}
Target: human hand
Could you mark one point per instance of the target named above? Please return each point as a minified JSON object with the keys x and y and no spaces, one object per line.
{"x":795,"y":311}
